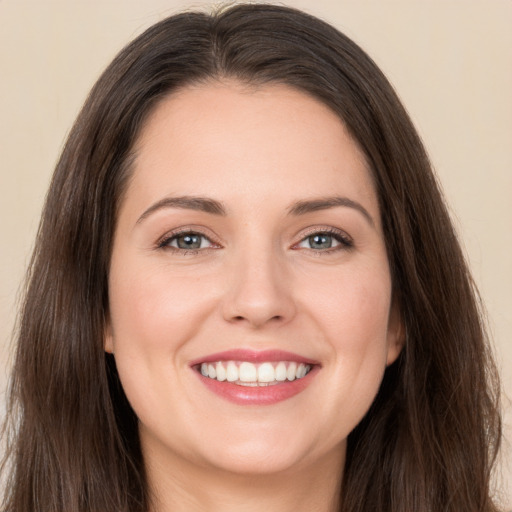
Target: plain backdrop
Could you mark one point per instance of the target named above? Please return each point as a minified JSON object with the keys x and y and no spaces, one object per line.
{"x":450,"y":61}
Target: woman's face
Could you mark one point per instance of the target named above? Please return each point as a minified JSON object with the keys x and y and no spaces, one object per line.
{"x":249,"y":252}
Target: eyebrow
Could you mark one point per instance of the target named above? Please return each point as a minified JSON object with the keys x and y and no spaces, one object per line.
{"x":324,"y":203}
{"x":202,"y":204}
{"x":205,"y":204}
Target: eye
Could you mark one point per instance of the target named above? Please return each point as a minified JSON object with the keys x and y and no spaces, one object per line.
{"x":325,"y":241}
{"x":186,"y":241}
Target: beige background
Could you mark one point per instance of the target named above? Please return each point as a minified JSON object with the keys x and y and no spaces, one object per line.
{"x":451,"y":62}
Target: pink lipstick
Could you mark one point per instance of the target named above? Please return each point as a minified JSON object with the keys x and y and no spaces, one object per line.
{"x":248,"y":377}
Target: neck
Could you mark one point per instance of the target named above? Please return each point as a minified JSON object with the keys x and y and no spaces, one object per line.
{"x":177,"y":485}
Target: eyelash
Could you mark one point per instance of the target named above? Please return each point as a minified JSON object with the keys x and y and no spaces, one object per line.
{"x":345,"y":242}
{"x":164,"y":243}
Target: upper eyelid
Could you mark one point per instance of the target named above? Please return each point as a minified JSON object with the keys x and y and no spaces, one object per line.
{"x":301,"y":236}
{"x":193,"y":233}
{"x":346,"y":242}
{"x":330,"y":230}
{"x":196,"y":230}
{"x":169,"y":243}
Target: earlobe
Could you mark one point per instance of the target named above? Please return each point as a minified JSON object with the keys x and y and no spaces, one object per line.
{"x":108,"y":346}
{"x":394,"y":350}
{"x":396,"y":334}
{"x":108,"y":339}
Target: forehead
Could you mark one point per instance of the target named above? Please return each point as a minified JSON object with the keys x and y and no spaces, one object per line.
{"x":226,"y":140}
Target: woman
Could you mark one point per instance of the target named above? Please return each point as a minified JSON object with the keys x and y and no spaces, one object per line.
{"x":247,"y":292}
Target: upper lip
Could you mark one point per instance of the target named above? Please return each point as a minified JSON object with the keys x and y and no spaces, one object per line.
{"x":254,"y":356}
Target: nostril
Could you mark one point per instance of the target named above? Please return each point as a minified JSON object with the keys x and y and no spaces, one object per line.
{"x":239,"y":318}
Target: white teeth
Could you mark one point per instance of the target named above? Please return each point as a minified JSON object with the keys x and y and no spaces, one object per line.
{"x":231,"y":372}
{"x":221,"y":372}
{"x":291,"y":373}
{"x":249,"y":374}
{"x":266,"y":373}
{"x":281,"y":372}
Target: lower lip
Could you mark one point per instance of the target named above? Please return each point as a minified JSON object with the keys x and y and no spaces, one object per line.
{"x":258,"y":395}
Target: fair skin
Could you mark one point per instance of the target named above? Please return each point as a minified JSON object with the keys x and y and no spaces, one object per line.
{"x":286,"y":254}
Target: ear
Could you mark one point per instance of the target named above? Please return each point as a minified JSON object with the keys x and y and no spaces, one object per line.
{"x":396,"y":332}
{"x":108,"y":338}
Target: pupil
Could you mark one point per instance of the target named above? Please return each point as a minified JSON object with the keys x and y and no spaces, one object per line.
{"x":189,"y":242}
{"x":320,"y":241}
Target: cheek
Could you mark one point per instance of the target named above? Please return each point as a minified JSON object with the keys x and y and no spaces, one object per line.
{"x":153,"y":315}
{"x":355,"y":319}
{"x":154,"y":309}
{"x":353,"y":309}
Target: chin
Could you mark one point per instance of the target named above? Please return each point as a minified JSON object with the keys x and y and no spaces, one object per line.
{"x":261,"y":453}
{"x":258,"y":463}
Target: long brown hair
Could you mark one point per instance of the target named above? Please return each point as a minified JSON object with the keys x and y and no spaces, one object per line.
{"x":428,"y":442}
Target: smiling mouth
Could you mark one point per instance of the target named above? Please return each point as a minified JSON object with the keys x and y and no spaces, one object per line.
{"x":244,"y":373}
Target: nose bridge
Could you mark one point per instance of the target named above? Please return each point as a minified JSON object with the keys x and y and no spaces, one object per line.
{"x":259,"y":291}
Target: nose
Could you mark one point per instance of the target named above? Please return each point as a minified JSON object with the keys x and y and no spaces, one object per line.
{"x":260,"y":292}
